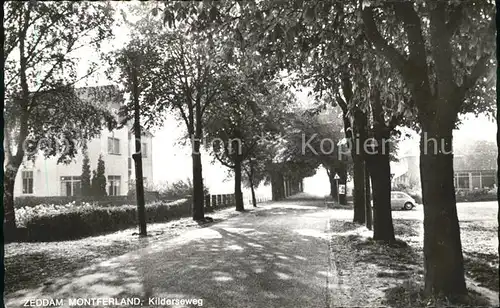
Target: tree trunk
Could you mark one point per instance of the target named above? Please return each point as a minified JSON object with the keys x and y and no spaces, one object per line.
{"x":343,"y":180}
{"x":368,"y":204}
{"x":137,"y":156}
{"x":498,"y":142}
{"x":359,"y":189}
{"x":252,"y":187}
{"x":238,"y":196}
{"x":378,"y":162}
{"x":358,"y":140}
{"x":9,"y":178}
{"x":333,"y":188}
{"x":380,"y":173}
{"x":443,"y":259}
{"x":198,"y":193}
{"x":198,"y":210}
{"x":277,"y":186}
{"x":12,"y":164}
{"x":254,"y":200}
{"x":333,"y":183}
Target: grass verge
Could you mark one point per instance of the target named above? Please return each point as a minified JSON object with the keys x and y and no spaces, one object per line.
{"x":376,"y":274}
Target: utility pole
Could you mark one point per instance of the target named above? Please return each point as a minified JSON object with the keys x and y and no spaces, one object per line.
{"x":137,"y":156}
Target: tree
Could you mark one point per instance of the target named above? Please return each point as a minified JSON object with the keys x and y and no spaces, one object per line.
{"x":476,"y":154}
{"x":99,"y":179}
{"x":293,"y":159}
{"x":330,"y":55}
{"x":320,"y":134}
{"x":446,"y":52}
{"x":184,"y":79}
{"x":442,"y":51}
{"x":255,"y":170}
{"x":286,"y":34}
{"x":336,"y":64}
{"x":248,"y":110}
{"x":42,"y":40}
{"x":85,"y":182}
{"x":133,"y":65}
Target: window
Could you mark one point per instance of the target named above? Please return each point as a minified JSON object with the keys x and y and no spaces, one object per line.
{"x":488,"y":179}
{"x":114,"y":185}
{"x":476,"y":180}
{"x":144,"y":150}
{"x":27,"y":182}
{"x":113,"y":145}
{"x":462,"y":180}
{"x":71,"y":186}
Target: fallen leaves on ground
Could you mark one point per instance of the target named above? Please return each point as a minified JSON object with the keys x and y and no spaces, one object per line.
{"x":366,"y":267}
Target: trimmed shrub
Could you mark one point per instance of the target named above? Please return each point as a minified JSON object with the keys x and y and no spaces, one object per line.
{"x":31,"y":201}
{"x":67,"y":222}
{"x":78,"y":219}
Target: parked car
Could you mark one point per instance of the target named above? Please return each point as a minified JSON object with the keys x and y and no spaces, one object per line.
{"x":401,"y":200}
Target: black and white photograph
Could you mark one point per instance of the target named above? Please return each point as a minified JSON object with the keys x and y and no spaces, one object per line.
{"x":250,"y":154}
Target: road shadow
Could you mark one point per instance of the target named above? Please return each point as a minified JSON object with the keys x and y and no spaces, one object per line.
{"x":226,"y":266}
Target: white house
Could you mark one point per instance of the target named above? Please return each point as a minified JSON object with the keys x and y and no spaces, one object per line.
{"x":45,"y":177}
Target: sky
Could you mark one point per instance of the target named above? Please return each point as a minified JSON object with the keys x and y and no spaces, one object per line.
{"x":172,"y":161}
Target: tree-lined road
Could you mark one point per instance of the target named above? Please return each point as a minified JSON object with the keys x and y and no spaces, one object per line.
{"x":275,"y":256}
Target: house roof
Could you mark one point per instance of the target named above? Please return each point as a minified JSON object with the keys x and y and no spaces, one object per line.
{"x":111,"y":94}
{"x":398,"y":169}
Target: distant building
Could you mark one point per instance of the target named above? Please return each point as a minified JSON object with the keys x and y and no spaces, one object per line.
{"x":44,"y":177}
{"x":469,"y":175}
{"x":406,"y":171}
{"x":474,"y":176}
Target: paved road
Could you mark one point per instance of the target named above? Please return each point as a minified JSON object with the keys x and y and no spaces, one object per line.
{"x":276,"y":256}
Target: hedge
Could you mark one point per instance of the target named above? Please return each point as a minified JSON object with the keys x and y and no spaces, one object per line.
{"x":31,"y":201}
{"x":68,"y":222}
{"x":45,"y":223}
{"x":475,"y":195}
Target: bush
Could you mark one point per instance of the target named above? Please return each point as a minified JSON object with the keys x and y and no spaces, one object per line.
{"x":72,"y":221}
{"x":150,"y":195}
{"x":20,"y":202}
{"x":176,"y":190}
{"x":475,"y":195}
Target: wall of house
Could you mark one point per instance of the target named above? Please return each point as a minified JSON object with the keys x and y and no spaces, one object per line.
{"x":147,"y":159}
{"x":47,"y":173}
{"x":413,"y":163}
{"x":406,"y":171}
